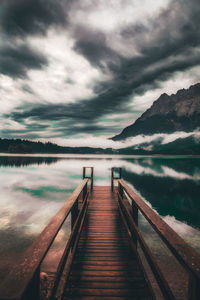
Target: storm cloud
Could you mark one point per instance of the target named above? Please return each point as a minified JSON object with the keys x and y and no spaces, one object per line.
{"x":15,"y":61}
{"x":111,"y":62}
{"x":24,"y":17}
{"x":92,"y":44}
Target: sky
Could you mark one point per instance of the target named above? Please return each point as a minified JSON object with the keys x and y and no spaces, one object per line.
{"x":77,"y":72}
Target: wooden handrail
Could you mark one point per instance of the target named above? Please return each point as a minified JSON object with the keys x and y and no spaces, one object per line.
{"x":134,"y":230}
{"x":185,"y":254}
{"x":15,"y":285}
{"x":123,"y":207}
{"x":63,"y":270}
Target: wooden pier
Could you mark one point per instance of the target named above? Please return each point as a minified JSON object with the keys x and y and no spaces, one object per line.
{"x":101,"y":258}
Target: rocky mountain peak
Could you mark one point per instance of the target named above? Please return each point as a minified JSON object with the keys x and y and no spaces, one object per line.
{"x":177,"y":112}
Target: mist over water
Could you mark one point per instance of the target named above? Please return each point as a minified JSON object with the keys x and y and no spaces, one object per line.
{"x":34,"y":188}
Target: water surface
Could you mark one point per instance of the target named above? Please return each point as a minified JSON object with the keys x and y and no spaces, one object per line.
{"x":34,"y":188}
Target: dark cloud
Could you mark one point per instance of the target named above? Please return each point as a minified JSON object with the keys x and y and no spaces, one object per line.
{"x":28,"y":127}
{"x":85,"y":111}
{"x":93,"y":45}
{"x":114,"y":99}
{"x":172,"y":33}
{"x":70,"y":130}
{"x":166,"y":44}
{"x":20,"y":17}
{"x":15,"y":61}
{"x":65,"y":120}
{"x":73,"y":129}
{"x":61,"y":128}
{"x":31,"y":131}
{"x":132,"y":30}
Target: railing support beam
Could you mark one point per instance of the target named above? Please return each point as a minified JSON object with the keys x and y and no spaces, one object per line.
{"x":193,"y":288}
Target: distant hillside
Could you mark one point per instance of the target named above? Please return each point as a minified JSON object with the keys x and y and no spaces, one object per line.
{"x":181,"y":146}
{"x":178,"y":112}
{"x":25,"y":146}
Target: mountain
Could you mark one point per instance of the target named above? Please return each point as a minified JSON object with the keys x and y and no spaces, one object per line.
{"x":168,"y":114}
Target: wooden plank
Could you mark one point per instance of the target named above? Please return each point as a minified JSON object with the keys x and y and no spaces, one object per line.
{"x":103,"y":262}
{"x":100,"y":267}
{"x":101,"y":247}
{"x":126,"y":278}
{"x":139,"y":292}
{"x":104,"y":251}
{"x":106,"y":273}
{"x":108,"y":285}
{"x":103,"y":298}
{"x":101,"y":242}
{"x":101,"y":258}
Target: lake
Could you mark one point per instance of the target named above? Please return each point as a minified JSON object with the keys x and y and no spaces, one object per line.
{"x":33,"y":189}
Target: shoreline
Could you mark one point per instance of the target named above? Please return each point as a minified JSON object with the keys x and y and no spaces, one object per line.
{"x":66,"y":155}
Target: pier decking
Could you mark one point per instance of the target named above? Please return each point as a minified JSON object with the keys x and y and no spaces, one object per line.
{"x":101,"y":258}
{"x":105,"y":265}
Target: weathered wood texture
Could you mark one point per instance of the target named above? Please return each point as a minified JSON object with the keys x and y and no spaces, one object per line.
{"x":105,"y":267}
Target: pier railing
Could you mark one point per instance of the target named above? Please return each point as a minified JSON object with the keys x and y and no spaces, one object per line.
{"x":23,"y":281}
{"x":186,"y":256}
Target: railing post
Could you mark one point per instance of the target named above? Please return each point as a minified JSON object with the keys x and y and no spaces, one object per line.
{"x":74,"y":213}
{"x":193,"y":288}
{"x":33,"y":290}
{"x":135,"y":218}
{"x":84,"y":192}
{"x":112,"y":180}
{"x":113,"y":176}
{"x":135,"y":212}
{"x":84,"y":172}
{"x":90,"y":177}
{"x":120,"y":190}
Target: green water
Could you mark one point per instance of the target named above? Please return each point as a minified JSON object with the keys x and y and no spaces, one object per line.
{"x":34,"y":188}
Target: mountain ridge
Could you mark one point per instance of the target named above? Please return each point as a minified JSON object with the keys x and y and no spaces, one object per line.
{"x":168,"y":114}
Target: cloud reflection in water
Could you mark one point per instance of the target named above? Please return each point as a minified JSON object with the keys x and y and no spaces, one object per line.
{"x":33,"y":191}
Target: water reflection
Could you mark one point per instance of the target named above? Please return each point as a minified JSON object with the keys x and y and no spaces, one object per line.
{"x":170,"y":192}
{"x":34,"y":188}
{"x":19,"y":161}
